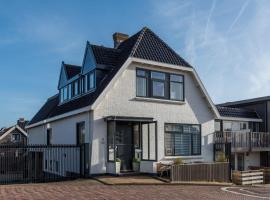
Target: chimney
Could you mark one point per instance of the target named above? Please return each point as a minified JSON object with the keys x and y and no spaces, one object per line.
{"x":118,"y":38}
{"x":22,"y":123}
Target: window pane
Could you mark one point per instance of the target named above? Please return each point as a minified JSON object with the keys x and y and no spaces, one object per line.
{"x":158,"y":89}
{"x":141,"y":86}
{"x":176,"y":91}
{"x":145,"y":147}
{"x":173,"y":127}
{"x":65,"y":93}
{"x":141,"y":73}
{"x":111,"y":146}
{"x":158,"y":75}
{"x":92,"y":83}
{"x":176,"y":78}
{"x":196,"y":144}
{"x":169,"y":144}
{"x":183,"y":144}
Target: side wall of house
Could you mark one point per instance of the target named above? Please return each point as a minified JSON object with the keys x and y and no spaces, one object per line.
{"x":63,"y":131}
{"x":121,"y":101}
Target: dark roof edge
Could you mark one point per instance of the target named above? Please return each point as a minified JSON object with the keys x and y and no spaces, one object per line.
{"x":245,"y":101}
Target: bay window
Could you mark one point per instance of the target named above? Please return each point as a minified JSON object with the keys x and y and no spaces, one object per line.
{"x":182,"y":140}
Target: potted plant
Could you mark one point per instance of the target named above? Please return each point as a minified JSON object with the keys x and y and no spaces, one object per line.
{"x":117,"y":165}
{"x":136,"y":164}
{"x":178,"y":161}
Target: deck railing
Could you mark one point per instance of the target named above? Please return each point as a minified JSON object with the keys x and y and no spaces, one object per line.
{"x":243,"y":140}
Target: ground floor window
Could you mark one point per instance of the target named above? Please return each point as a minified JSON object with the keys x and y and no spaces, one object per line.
{"x":182,"y":139}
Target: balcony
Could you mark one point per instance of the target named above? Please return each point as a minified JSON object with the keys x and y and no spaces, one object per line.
{"x":244,"y":141}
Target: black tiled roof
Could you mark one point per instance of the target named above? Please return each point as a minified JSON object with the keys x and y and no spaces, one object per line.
{"x":237,"y":112}
{"x":246,"y":101}
{"x":105,"y":55}
{"x":151,"y":47}
{"x":72,"y":70}
{"x":144,"y":44}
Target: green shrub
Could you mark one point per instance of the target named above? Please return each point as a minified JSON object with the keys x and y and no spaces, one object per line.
{"x":221,"y":157}
{"x":136,"y":160}
{"x":178,"y":161}
{"x":117,"y":160}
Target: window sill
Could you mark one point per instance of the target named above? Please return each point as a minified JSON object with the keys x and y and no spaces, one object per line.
{"x":159,"y":100}
{"x":183,"y":157}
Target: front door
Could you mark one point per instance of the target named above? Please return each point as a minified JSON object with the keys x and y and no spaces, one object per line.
{"x":80,"y":137}
{"x":124,"y":145}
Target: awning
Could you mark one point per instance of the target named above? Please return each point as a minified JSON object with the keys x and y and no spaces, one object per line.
{"x":129,"y":119}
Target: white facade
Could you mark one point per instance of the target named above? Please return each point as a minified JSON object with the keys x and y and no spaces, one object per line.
{"x":121,"y":100}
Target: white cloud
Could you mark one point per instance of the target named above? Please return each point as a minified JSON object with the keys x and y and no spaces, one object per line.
{"x":232,"y":55}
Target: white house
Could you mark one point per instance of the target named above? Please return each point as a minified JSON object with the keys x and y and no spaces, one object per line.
{"x":138,"y":99}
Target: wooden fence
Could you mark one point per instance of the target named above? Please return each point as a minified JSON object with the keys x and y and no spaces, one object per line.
{"x":248,"y":177}
{"x":209,"y":172}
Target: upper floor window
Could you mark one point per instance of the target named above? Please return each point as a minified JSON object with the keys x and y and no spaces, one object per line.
{"x":16,"y":137}
{"x":141,"y":83}
{"x":90,"y":81}
{"x":80,"y":86}
{"x":159,"y":85}
{"x":177,"y":87}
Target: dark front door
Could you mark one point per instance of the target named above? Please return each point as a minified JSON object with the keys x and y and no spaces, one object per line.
{"x":124,"y":144}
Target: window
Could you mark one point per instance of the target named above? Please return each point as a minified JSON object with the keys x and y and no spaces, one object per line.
{"x":159,"y":85}
{"x":80,"y":133}
{"x":16,"y":137}
{"x":141,"y":83}
{"x":182,"y":140}
{"x":49,"y":136}
{"x":65,"y":93}
{"x":176,"y":87}
{"x":90,"y":81}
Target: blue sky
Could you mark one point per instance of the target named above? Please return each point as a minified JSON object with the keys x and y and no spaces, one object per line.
{"x":227,"y":41}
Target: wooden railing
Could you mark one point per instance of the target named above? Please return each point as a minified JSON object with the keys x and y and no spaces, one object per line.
{"x":243,"y":140}
{"x":248,"y":177}
{"x":209,"y":172}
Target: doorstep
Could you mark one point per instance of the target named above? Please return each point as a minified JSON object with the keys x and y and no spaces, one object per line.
{"x":129,"y":180}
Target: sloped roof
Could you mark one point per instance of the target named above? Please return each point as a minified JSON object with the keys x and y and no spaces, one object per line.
{"x":246,"y":101}
{"x":72,"y":70}
{"x":144,"y":44}
{"x":237,"y":112}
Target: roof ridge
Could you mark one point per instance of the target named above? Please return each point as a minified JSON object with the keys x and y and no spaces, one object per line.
{"x":136,"y":45}
{"x":101,"y":46}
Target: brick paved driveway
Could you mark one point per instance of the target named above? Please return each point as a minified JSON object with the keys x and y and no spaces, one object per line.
{"x":87,"y":189}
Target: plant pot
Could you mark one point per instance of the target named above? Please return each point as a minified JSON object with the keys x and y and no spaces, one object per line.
{"x":136,"y":166}
{"x":117,"y":167}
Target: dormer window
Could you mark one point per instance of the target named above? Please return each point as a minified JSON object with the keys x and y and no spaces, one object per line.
{"x":90,"y":81}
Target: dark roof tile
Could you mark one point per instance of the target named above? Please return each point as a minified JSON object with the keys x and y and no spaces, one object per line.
{"x":237,"y":112}
{"x":144,"y":44}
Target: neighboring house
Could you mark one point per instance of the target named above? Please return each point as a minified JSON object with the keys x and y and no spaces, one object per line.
{"x":138,"y":99}
{"x":245,"y":126}
{"x":15,"y":134}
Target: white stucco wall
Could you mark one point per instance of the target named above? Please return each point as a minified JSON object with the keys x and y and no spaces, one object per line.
{"x":120,"y":101}
{"x":63,"y":131}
